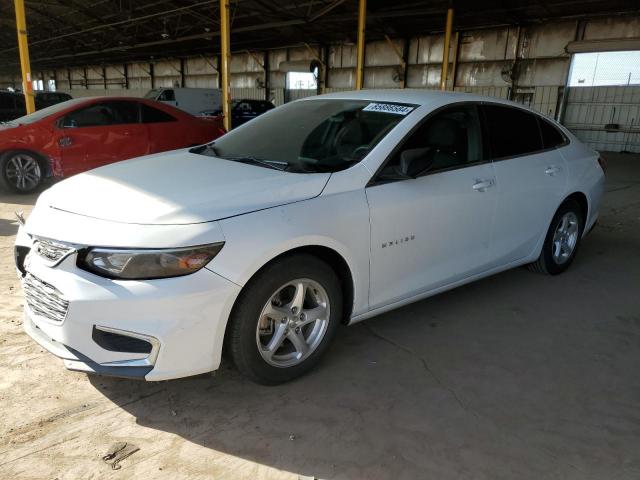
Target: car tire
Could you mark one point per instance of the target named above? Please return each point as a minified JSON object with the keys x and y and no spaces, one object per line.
{"x":21,"y":171}
{"x":280,"y":311}
{"x":562,"y":240}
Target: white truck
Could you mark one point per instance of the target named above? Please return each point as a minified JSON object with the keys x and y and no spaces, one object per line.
{"x":191,"y":100}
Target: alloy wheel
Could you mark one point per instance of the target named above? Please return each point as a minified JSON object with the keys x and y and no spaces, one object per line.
{"x":293,"y":323}
{"x":565,"y":238}
{"x":23,"y":172}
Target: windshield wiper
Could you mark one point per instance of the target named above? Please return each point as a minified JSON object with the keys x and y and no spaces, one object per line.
{"x":275,"y":164}
{"x":210,"y":149}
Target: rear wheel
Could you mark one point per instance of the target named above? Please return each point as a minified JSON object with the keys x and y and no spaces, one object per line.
{"x":562,"y":240}
{"x":285,"y":319}
{"x":20,"y":171}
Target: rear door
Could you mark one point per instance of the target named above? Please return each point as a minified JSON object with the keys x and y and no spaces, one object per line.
{"x":100,"y":134}
{"x":530,"y":179}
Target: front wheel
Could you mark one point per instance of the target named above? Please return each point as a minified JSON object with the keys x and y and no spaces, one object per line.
{"x":562,"y":240}
{"x":20,"y":171}
{"x":285,"y":319}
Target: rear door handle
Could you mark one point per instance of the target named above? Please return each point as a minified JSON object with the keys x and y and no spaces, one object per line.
{"x":552,"y":170}
{"x":482,"y":185}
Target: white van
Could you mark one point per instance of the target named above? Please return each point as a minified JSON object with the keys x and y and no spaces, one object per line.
{"x":192,"y":100}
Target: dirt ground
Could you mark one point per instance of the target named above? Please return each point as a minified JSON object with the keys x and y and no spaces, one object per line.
{"x":519,"y":376}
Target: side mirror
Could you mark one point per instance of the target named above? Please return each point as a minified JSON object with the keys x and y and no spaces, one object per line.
{"x":415,"y":161}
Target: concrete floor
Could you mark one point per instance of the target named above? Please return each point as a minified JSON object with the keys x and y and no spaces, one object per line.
{"x":519,"y":376}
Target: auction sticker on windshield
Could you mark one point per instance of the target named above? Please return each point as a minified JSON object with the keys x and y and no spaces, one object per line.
{"x":388,"y":108}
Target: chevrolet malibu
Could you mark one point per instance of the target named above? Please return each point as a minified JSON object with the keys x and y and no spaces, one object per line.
{"x":326,"y":210}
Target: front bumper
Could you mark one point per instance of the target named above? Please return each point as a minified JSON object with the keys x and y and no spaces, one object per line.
{"x":182,"y":319}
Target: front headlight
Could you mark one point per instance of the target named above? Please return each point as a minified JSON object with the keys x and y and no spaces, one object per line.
{"x":145,"y":264}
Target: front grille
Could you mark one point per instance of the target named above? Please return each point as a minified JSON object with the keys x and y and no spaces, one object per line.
{"x":52,"y":251}
{"x":44,"y":299}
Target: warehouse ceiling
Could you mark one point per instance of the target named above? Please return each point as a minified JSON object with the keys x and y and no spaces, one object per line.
{"x":81,"y":32}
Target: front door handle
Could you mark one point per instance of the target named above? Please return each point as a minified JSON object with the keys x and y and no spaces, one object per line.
{"x":552,"y":170}
{"x":65,"y":141}
{"x":482,"y":185}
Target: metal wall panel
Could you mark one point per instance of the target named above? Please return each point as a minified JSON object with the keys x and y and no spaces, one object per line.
{"x":298,"y":94}
{"x":590,"y":110}
{"x":483,"y":45}
{"x":423,"y":76}
{"x":496,"y":92}
{"x":613,"y":27}
{"x":548,"y":39}
{"x":545,"y":100}
{"x":479,"y":74}
{"x":97,"y":92}
{"x":380,"y":53}
{"x":253,"y":93}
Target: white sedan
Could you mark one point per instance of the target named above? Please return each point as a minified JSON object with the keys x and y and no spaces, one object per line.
{"x":326,"y":210}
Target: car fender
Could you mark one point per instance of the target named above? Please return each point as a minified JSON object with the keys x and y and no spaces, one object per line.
{"x":37,"y":139}
{"x":339,"y":222}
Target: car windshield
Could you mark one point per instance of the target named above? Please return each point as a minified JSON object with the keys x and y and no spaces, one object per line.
{"x":323,"y":135}
{"x":153,"y":94}
{"x":45,"y":112}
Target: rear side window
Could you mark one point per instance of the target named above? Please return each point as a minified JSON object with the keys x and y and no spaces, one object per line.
{"x":153,"y":115}
{"x":92,"y":116}
{"x":125,"y":112}
{"x":511,"y":131}
{"x":551,"y":136}
{"x":102,"y":114}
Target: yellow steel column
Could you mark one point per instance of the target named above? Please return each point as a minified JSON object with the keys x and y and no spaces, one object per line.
{"x":225,"y":55}
{"x":23,"y":45}
{"x":362,"y":20}
{"x":445,"y":51}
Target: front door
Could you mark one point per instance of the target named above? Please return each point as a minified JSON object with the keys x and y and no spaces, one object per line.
{"x":100,"y":134}
{"x":433,"y":230}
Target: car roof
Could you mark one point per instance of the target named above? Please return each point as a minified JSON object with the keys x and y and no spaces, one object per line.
{"x":413,"y":96}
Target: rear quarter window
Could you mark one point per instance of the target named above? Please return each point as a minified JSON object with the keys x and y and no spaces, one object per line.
{"x":551,"y":135}
{"x":154,"y":115}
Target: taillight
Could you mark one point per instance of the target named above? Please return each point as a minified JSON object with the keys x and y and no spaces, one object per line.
{"x":602,"y":163}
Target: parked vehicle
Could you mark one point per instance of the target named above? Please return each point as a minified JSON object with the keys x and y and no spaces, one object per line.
{"x":81,"y":134}
{"x":47,"y":99}
{"x":243,"y":110}
{"x":11,"y":106}
{"x":326,"y":210}
{"x":191,"y":100}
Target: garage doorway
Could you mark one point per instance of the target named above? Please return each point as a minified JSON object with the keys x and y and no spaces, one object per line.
{"x":603,"y":103}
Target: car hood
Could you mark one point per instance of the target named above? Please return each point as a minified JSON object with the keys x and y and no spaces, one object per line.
{"x":179,"y":188}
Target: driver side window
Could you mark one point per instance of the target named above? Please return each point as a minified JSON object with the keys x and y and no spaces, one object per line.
{"x":447,"y":140}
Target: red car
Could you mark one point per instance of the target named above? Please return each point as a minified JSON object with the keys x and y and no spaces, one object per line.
{"x":81,"y":134}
